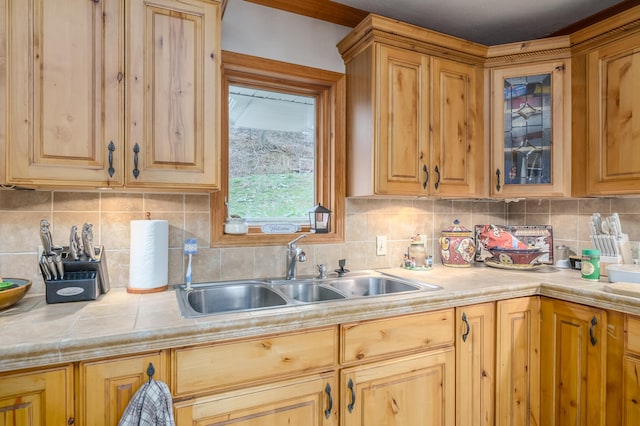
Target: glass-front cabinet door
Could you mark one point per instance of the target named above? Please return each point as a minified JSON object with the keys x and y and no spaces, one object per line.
{"x":531,"y":130}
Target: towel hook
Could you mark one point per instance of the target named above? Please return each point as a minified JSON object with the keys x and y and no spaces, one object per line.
{"x":150,"y":371}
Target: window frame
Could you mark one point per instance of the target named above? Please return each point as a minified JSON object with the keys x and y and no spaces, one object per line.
{"x":329,"y":89}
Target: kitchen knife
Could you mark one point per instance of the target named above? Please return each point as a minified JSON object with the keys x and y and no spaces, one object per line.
{"x":45,"y":268}
{"x":615,"y":225}
{"x":52,"y":267}
{"x":59,"y":266}
{"x":87,"y":241}
{"x":75,"y":246}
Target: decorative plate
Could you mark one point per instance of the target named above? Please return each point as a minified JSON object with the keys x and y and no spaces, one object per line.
{"x":534,"y":236}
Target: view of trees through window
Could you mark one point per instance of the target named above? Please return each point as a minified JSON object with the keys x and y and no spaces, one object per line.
{"x":272,"y":150}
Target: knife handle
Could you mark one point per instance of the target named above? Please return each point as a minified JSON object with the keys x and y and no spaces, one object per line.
{"x":59,"y":265}
{"x":52,"y":267}
{"x":45,"y":268}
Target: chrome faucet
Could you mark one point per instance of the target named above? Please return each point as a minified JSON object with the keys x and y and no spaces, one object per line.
{"x":294,"y":255}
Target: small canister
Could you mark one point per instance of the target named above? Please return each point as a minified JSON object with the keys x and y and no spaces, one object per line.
{"x":457,"y":247}
{"x":590,"y":264}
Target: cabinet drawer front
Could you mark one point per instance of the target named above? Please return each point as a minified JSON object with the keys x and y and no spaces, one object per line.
{"x":225,"y":365}
{"x":633,"y":334}
{"x":371,"y":339}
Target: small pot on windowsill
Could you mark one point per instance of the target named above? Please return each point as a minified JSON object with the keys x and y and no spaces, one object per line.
{"x":236,"y":225}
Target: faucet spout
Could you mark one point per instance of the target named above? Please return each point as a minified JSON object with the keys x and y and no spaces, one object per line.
{"x":294,"y":255}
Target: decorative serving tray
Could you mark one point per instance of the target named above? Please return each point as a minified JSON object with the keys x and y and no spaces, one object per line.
{"x":532,"y":235}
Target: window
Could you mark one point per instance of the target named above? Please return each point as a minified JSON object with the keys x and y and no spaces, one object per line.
{"x":282,"y":149}
{"x":272,"y":151}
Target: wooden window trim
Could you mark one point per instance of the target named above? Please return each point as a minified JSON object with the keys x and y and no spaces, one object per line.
{"x":329,"y":89}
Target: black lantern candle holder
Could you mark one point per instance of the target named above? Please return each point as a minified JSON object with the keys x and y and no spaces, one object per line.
{"x":319,"y":219}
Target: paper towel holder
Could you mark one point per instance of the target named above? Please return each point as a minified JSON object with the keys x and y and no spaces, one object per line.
{"x":154,"y":275}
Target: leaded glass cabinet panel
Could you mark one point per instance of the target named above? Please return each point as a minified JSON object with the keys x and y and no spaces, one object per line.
{"x":530,"y":136}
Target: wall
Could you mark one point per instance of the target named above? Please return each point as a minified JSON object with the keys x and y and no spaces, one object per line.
{"x":188,"y":216}
{"x":282,"y":36}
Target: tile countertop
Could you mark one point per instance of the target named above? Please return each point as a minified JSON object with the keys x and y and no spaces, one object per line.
{"x":36,"y":334}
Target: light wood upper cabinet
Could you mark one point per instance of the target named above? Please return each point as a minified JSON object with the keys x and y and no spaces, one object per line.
{"x":37,"y":398}
{"x":403,"y":142}
{"x":531,"y":119}
{"x":107,"y":386}
{"x":72,"y":123}
{"x":574,"y":340}
{"x":613,"y":113}
{"x":65,"y":92}
{"x":414,"y":118}
{"x":475,"y":365}
{"x":173,"y":86}
{"x":457,"y":144}
{"x":518,"y":361}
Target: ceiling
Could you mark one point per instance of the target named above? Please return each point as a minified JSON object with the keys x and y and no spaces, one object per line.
{"x":488,"y":22}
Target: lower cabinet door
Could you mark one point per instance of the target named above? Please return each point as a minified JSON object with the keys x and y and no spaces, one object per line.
{"x":37,"y":398}
{"x":631,"y":391}
{"x":416,"y":390}
{"x":518,"y":362}
{"x":107,"y":386}
{"x":572,"y":382}
{"x":309,"y":401}
{"x":475,"y":365}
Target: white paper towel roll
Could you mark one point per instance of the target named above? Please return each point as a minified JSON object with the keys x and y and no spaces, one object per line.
{"x":149,"y":258}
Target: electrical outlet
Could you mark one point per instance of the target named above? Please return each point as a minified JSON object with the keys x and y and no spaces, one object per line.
{"x":381,"y":245}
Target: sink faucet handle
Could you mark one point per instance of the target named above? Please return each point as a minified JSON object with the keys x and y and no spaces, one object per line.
{"x":292,"y":243}
{"x":322,"y":269}
{"x":341,"y":271}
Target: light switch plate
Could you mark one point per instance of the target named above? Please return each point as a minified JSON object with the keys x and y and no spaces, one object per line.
{"x":381,"y":245}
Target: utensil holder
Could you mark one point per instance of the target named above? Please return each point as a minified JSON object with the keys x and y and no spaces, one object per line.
{"x":85,"y":264}
{"x":84,"y":279}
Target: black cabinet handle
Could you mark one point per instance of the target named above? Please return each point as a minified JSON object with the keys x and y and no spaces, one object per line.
{"x":465,"y":335}
{"x":136,"y":151}
{"x":437,"y":184}
{"x":353,"y":396}
{"x":111,"y":148}
{"x":594,"y":321}
{"x":327,"y":412}
{"x":498,"y":176}
{"x":426,"y":176}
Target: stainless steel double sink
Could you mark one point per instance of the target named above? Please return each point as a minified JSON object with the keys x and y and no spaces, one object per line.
{"x":235,"y":296}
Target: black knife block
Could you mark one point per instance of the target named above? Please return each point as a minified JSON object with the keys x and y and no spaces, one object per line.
{"x":74,"y":287}
{"x":92,"y":276}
